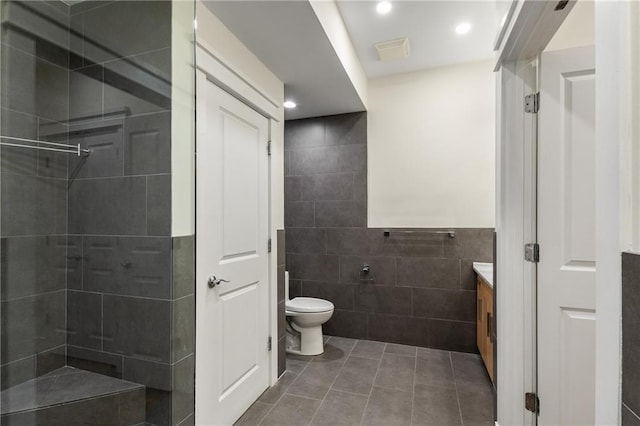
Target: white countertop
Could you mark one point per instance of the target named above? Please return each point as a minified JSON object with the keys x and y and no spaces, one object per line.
{"x":485,"y":270}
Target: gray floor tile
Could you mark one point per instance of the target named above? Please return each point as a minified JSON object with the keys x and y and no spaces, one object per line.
{"x":294,"y":366}
{"x":476,"y":403}
{"x":435,"y":406}
{"x":368,"y":349}
{"x":396,"y":372}
{"x":393,"y":348}
{"x":333,"y":352}
{"x":388,"y":407}
{"x":315,"y":380}
{"x":273,"y":394}
{"x":357,"y":375}
{"x":343,"y":343}
{"x":340,"y":408}
{"x":433,"y":368}
{"x":254,"y":415}
{"x":292,"y":410}
{"x":468,"y":368}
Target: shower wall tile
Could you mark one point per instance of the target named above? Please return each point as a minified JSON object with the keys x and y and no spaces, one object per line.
{"x":183,"y":396}
{"x":18,"y":160}
{"x":85,"y":92}
{"x":33,"y":205}
{"x":183,"y":327}
{"x":51,"y":359}
{"x":16,"y":372}
{"x":630,"y":324}
{"x":32,"y":324}
{"x":104,"y":139}
{"x":110,"y":206}
{"x":126,"y":28}
{"x":84,"y":319}
{"x":184,"y":263}
{"x":97,"y":361}
{"x":131,"y":327}
{"x":159,"y":205}
{"x":132,"y":266}
{"x":421,"y":285}
{"x":32,"y":265}
{"x":147,"y":144}
{"x":152,"y":374}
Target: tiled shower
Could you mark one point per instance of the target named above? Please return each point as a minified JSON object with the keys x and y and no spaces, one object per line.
{"x":420,"y":288}
{"x":92,"y":278}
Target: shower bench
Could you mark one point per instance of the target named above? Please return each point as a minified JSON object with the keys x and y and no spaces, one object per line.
{"x":70,"y":396}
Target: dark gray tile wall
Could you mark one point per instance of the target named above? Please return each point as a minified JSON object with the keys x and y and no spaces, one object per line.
{"x":421,"y":288}
{"x":281,"y":257}
{"x":34,"y":97}
{"x":630,"y":339}
{"x":86,"y":247}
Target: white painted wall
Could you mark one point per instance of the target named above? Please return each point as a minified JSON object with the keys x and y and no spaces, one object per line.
{"x":577,"y":30}
{"x":333,"y":25}
{"x":431,"y":138}
{"x":182,"y":120}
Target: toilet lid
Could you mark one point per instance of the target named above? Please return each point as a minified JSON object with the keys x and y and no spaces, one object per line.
{"x":308,"y":304}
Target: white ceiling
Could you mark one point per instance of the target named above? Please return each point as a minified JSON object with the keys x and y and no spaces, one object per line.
{"x":430,"y":27}
{"x":288,"y":38}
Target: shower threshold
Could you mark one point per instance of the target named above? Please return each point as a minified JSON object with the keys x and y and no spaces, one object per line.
{"x":72,"y":396}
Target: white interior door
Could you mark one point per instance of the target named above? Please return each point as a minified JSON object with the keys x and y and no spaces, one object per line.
{"x":566,"y":233}
{"x":232,"y":327}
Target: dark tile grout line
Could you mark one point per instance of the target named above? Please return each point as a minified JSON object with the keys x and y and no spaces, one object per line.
{"x":372,"y":384}
{"x":455,"y":386}
{"x":334,"y":379}
{"x":413,"y":388}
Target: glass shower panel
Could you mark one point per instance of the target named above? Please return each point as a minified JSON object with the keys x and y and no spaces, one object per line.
{"x":96,"y":290}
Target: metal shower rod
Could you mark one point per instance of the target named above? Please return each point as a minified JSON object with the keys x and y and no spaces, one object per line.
{"x":67,"y":148}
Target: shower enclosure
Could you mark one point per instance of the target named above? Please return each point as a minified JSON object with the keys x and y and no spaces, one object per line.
{"x":96,"y":229}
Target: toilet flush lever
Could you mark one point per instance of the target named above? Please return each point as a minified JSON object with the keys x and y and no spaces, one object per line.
{"x":214,"y":281}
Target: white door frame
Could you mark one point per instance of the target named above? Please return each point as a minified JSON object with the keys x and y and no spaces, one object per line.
{"x":530,"y":26}
{"x":241,"y":88}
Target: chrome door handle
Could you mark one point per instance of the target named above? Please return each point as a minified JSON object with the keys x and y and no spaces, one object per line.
{"x":214,"y":281}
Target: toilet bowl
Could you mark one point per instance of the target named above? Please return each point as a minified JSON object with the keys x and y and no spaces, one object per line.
{"x":305,"y":316}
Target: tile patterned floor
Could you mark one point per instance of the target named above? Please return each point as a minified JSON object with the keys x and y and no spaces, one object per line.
{"x":361,"y":382}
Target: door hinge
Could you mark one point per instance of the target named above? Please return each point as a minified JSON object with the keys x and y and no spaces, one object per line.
{"x":532,"y":252}
{"x":269,"y":245}
{"x":269,"y":148}
{"x":269,"y":344}
{"x":531,"y":402}
{"x":532,"y":103}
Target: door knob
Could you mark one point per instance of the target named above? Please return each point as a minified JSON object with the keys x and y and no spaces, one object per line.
{"x":214,"y":281}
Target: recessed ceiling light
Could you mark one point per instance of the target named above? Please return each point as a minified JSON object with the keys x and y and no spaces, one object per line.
{"x":384,"y":7}
{"x":289,"y":104}
{"x":463,"y":28}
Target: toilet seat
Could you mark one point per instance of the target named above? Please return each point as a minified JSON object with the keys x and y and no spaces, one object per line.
{"x":308,"y":305}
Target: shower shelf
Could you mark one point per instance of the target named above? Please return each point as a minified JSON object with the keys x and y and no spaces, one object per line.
{"x":62,"y":147}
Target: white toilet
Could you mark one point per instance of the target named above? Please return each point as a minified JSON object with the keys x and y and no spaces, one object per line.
{"x":305,"y":316}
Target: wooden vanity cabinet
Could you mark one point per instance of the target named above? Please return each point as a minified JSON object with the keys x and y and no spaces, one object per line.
{"x":485,"y":324}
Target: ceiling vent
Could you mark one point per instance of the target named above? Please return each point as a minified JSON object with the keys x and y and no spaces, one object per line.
{"x":393,"y":49}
